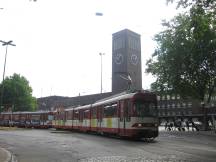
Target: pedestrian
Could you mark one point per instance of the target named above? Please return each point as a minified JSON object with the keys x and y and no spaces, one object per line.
{"x":165,"y":126}
{"x":187,"y":125}
{"x":171,"y":126}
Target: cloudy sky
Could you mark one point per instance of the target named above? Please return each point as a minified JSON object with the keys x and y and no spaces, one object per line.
{"x":58,"y":41}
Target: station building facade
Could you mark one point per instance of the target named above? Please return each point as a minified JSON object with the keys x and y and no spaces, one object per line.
{"x":172,"y":107}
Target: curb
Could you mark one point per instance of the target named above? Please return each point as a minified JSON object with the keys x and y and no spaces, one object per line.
{"x":8,"y":155}
{"x":8,"y":128}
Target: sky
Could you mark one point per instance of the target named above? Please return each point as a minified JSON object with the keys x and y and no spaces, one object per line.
{"x":58,"y":41}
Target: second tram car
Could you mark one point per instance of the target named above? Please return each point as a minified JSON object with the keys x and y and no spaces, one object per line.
{"x":40,"y":119}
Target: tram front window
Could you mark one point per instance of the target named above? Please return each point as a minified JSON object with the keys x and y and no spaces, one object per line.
{"x":145,"y":109}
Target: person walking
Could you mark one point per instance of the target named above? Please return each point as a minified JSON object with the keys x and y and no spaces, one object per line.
{"x":165,"y":126}
{"x":187,"y":125}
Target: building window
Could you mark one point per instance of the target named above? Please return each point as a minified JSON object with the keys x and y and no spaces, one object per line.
{"x":178,"y":97}
{"x":173,"y":105}
{"x":184,"y":104}
{"x":173,"y":97}
{"x":178,"y":105}
{"x":189,"y":104}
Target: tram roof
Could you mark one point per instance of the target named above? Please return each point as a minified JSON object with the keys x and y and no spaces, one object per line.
{"x":117,"y":97}
{"x":26,"y":112}
{"x":120,"y":96}
{"x":78,"y":107}
{"x":110,"y":99}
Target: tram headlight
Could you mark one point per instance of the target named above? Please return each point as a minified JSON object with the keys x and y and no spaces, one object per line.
{"x":139,"y":125}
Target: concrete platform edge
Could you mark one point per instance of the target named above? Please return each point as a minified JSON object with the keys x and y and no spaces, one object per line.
{"x":7,"y":155}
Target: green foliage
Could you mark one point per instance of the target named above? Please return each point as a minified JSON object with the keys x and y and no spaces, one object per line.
{"x":185,"y":59}
{"x":205,"y":4}
{"x":18,"y":93}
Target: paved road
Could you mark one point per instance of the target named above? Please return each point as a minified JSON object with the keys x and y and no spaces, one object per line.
{"x":54,"y":146}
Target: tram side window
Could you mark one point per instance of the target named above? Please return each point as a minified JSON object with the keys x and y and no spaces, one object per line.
{"x":50,"y":117}
{"x":76,"y":115}
{"x":69,"y":115}
{"x":100,"y":114}
{"x":86,"y":114}
{"x":110,"y":110}
{"x":56,"y":116}
{"x":62,"y":115}
{"x":127,"y":110}
{"x":81,"y":115}
{"x":94,"y":113}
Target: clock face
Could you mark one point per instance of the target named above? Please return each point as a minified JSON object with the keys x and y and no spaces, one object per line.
{"x":118,"y":58}
{"x":134,"y":59}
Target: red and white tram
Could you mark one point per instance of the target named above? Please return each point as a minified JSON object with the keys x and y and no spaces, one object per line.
{"x":131,"y":115}
{"x":40,"y":119}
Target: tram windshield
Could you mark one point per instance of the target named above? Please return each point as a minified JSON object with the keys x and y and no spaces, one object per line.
{"x":145,"y":109}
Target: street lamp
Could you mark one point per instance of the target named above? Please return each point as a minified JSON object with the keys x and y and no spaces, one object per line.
{"x":2,"y":92}
{"x":101,"y":54}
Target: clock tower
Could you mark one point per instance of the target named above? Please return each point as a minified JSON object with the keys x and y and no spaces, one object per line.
{"x":126,"y":61}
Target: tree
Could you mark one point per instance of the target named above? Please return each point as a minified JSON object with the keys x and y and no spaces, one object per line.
{"x":18,"y":93}
{"x":205,"y":4}
{"x":185,"y":59}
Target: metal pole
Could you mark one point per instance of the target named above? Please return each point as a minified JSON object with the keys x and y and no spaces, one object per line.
{"x":5,"y":61}
{"x":2,"y":90}
{"x":101,"y":54}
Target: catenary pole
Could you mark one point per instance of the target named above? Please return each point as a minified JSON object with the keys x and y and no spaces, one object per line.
{"x":6,"y":44}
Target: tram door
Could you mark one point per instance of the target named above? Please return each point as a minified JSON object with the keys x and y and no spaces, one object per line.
{"x":124,"y":116}
{"x":122,"y":124}
{"x":100,"y":118}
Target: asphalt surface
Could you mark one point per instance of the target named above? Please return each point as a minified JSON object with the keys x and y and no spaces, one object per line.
{"x":32,"y":145}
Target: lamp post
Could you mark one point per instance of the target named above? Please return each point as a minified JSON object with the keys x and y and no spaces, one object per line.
{"x":101,"y":54}
{"x":5,"y":61}
{"x":100,"y":14}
